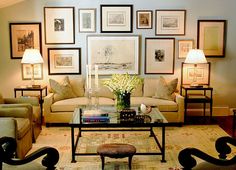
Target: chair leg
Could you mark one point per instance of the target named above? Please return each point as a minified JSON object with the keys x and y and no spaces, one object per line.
{"x":103,"y":162}
{"x":130,"y":162}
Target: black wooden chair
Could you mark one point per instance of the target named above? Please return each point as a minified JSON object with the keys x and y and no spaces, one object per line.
{"x":8,"y":149}
{"x":188,"y":162}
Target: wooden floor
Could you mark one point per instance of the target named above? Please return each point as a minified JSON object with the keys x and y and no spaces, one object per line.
{"x":225,"y":122}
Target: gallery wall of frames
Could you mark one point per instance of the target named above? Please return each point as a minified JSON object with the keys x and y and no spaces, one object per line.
{"x":118,"y":51}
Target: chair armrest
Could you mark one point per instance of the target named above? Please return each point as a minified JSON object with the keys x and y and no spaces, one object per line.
{"x":48,"y":101}
{"x":31,"y":100}
{"x":180,"y":102}
{"x":187,"y":160}
{"x":17,"y":112}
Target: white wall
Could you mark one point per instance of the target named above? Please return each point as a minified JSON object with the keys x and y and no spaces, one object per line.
{"x":222,"y":69}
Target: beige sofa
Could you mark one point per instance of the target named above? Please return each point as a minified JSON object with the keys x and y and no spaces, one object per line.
{"x":61,"y":111}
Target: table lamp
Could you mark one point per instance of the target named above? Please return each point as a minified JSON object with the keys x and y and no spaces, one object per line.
{"x":195,"y":56}
{"x":32,"y":56}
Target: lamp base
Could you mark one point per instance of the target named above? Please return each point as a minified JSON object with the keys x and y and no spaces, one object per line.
{"x":196,"y":85}
{"x":36,"y":85}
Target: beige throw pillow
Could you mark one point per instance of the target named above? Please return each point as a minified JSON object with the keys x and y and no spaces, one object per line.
{"x":166,"y":90}
{"x":62,"y":90}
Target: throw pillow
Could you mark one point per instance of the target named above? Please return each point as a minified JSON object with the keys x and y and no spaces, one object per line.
{"x":166,"y":90}
{"x":62,"y":90}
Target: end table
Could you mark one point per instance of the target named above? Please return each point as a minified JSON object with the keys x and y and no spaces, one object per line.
{"x":204,"y":96}
{"x":40,"y":89}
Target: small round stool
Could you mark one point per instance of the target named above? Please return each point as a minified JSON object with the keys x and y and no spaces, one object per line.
{"x":116,"y":150}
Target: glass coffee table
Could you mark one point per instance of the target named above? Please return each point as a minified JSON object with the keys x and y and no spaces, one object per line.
{"x":115,"y":123}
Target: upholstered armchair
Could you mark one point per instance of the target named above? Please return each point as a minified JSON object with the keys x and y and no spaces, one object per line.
{"x":187,"y":160}
{"x":17,"y":123}
{"x":32,"y":103}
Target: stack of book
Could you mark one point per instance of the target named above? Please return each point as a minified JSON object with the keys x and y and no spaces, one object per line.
{"x":95,"y":116}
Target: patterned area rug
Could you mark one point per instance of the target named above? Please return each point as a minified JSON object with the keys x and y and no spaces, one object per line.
{"x":199,"y":136}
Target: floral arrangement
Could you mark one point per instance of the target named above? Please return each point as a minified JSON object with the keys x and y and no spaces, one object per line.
{"x":122,"y":83}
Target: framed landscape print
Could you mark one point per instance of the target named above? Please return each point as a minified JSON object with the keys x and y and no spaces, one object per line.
{"x":159,"y":55}
{"x":170,"y":22}
{"x":114,"y":54}
{"x":202,"y":73}
{"x":59,"y":25}
{"x":27,"y":71}
{"x":144,"y":19}
{"x":24,"y":36}
{"x":87,"y":20}
{"x":64,"y":61}
{"x":184,"y":47}
{"x":116,"y":18}
{"x":211,"y":37}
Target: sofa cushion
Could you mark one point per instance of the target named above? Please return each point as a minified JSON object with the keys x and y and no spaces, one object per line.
{"x":149,"y":87}
{"x":23,"y":126}
{"x":77,"y":85}
{"x":166,"y":90}
{"x":163,"y":105}
{"x":71,"y":104}
{"x":138,"y":91}
{"x":62,"y":90}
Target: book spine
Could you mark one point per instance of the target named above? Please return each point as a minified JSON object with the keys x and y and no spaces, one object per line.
{"x":96,"y":120}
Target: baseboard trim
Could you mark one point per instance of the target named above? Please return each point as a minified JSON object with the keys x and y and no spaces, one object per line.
{"x":216,"y":111}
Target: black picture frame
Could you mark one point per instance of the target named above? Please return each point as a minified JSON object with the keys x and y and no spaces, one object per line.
{"x":63,"y":61}
{"x":23,"y":36}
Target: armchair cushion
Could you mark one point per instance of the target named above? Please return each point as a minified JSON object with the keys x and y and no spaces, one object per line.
{"x":8,"y":125}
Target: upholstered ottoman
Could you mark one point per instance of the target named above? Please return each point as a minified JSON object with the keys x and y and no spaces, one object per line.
{"x":116,"y":150}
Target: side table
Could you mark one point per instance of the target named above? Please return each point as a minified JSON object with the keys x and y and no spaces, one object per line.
{"x":37,"y":89}
{"x":204,"y":96}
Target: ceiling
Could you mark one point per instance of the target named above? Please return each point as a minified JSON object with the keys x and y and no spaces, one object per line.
{"x":5,"y":3}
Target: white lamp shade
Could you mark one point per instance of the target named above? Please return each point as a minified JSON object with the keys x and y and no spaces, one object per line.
{"x":32,"y":56}
{"x":195,"y":56}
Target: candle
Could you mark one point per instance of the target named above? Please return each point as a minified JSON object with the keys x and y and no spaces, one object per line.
{"x":90,"y":75}
{"x":87,"y":77}
{"x":96,"y":77}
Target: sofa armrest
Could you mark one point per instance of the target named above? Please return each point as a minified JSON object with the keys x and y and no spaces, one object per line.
{"x":31,"y":100}
{"x":48,"y":101}
{"x":180,"y":101}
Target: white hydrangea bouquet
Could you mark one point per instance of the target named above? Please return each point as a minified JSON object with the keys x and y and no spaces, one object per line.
{"x":122,"y":85}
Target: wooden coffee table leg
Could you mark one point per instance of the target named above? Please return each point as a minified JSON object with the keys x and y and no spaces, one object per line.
{"x":103,"y":162}
{"x":130,"y":162}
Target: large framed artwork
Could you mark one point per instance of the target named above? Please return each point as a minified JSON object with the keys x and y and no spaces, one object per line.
{"x":64,"y":61}
{"x":87,"y":20}
{"x":59,"y":25}
{"x":159,"y":55}
{"x":211,"y":37}
{"x":170,"y":22}
{"x":24,"y":36}
{"x":144,"y":19}
{"x":114,"y":54}
{"x":116,"y":18}
{"x":184,"y":47}
{"x":27,"y":71}
{"x":202,"y":73}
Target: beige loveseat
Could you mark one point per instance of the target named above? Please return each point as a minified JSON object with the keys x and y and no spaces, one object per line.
{"x":61,"y":111}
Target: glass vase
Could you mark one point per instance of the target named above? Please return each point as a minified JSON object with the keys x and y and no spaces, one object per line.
{"x":122,"y":101}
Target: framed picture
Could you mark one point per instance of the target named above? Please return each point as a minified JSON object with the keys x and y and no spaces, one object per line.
{"x":64,"y":61}
{"x":211,"y":37}
{"x":170,"y":22}
{"x":27,"y":71}
{"x":23,"y":36}
{"x":184,"y":47}
{"x":114,"y":54}
{"x":87,"y":20}
{"x":144,"y":19}
{"x":202,"y":73}
{"x":159,"y":55}
{"x":59,"y":25}
{"x":116,"y":18}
